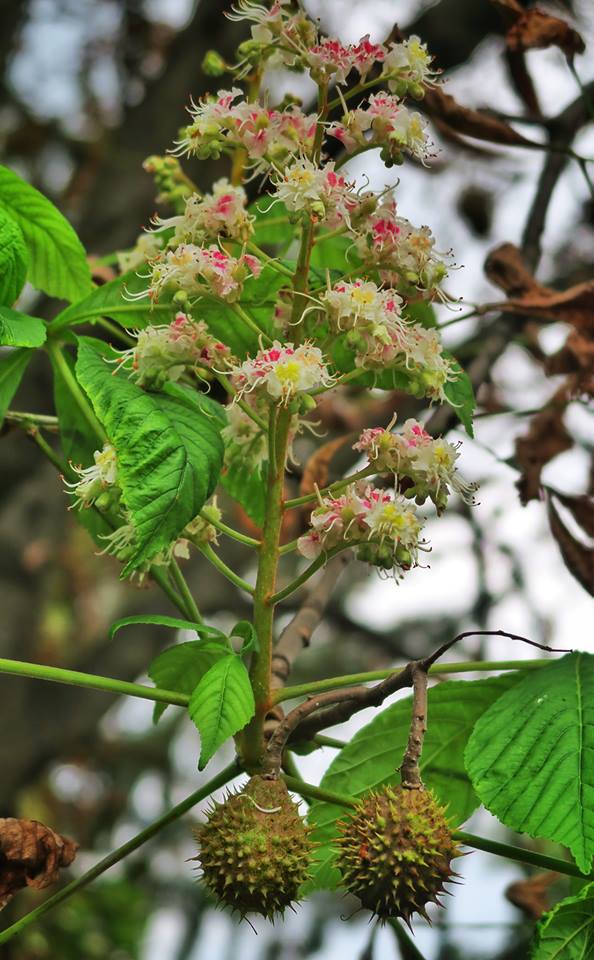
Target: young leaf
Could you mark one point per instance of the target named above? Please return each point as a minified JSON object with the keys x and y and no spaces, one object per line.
{"x":221,"y":705}
{"x":181,"y":668}
{"x":12,"y":367}
{"x":567,"y":931}
{"x":460,"y":394}
{"x":173,"y":622}
{"x":20,"y":330}
{"x":57,"y":260}
{"x":168,"y":446}
{"x":374,"y":754}
{"x":246,"y":632}
{"x":14,"y":259}
{"x":113,"y":300}
{"x":531,"y":756}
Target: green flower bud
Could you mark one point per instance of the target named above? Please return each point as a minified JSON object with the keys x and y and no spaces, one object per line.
{"x":213,"y":64}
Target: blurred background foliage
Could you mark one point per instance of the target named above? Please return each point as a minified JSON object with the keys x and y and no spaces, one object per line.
{"x":89,"y":88}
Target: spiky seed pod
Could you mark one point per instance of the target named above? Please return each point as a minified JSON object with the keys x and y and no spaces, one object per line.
{"x":255,"y":849}
{"x":395,"y":852}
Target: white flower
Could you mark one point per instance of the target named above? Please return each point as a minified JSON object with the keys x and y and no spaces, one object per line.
{"x":199,"y":270}
{"x":219,"y":214}
{"x":326,"y":195}
{"x":282,"y":371}
{"x":96,"y":479}
{"x":147,"y":246}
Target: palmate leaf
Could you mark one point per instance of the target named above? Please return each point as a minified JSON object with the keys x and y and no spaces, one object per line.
{"x":57,"y":260}
{"x":168,"y":446}
{"x":181,"y":667}
{"x":531,"y":756}
{"x":19,"y":330}
{"x":374,"y":754}
{"x":13,"y":364}
{"x":221,"y":704}
{"x":567,"y":931}
{"x":14,"y":259}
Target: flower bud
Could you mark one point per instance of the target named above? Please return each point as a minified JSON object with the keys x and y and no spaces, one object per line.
{"x":213,"y":64}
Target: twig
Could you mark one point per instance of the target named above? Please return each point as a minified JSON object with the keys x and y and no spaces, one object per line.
{"x":410,"y":773}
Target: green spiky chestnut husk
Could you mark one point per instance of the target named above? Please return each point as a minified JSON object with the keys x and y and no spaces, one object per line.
{"x":255,"y":849}
{"x":395,"y":852}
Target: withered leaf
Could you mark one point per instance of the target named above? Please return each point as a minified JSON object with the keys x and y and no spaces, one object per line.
{"x":531,"y":894}
{"x":31,"y":855}
{"x":470,"y":122}
{"x":546,"y":438}
{"x":575,"y":356}
{"x":578,"y":558}
{"x":536,"y":29}
{"x":506,"y":269}
{"x":317,"y":467}
{"x":581,"y":509}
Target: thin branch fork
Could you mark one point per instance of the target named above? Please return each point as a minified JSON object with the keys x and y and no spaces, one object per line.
{"x":336,"y":706}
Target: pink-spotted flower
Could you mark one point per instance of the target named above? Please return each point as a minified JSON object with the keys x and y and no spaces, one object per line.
{"x":199,"y":270}
{"x":427,"y":465}
{"x":282,"y":371}
{"x":407,"y":68}
{"x":384,"y":123}
{"x":162,"y":352}
{"x":221,"y":213}
{"x":382,"y":525}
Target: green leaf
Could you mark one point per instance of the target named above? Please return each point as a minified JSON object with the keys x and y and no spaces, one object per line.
{"x":57,"y":259}
{"x":14,"y":259}
{"x":175,"y":623}
{"x":246,"y":632}
{"x":12,"y":367}
{"x":567,"y":931}
{"x":460,"y":395}
{"x":374,"y":754}
{"x":181,"y":668}
{"x":168,"y":446}
{"x":20,"y":330}
{"x":337,"y":255}
{"x":221,"y":705}
{"x":247,"y":488}
{"x":227,"y":327}
{"x":531,"y":756}
{"x":271,"y":224}
{"x":113,"y":300}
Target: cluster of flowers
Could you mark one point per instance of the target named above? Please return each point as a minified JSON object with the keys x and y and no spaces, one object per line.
{"x":283,"y":37}
{"x":428,"y":465}
{"x":282,"y":371}
{"x":382,"y":524}
{"x":382,"y":339}
{"x":270,"y":137}
{"x":97,"y":484}
{"x":163,"y":351}
{"x":326,"y":195}
{"x":200,"y":270}
{"x":221,"y":213}
{"x":403,"y":254}
{"x":385,"y":123}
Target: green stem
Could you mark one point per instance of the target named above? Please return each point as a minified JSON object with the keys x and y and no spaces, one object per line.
{"x":192,"y":611}
{"x":41,"y":671}
{"x":222,"y":567}
{"x":50,"y":453}
{"x":270,"y":261}
{"x":307,"y":573}
{"x":34,"y":419}
{"x":175,"y":813}
{"x":260,"y":668}
{"x":333,"y":489}
{"x":468,"y":839}
{"x":408,"y":948}
{"x":352,"y":679}
{"x":75,"y":391}
{"x":300,"y":281}
{"x":161,"y":579}
{"x":323,"y":741}
{"x":253,"y":326}
{"x":229,"y":531}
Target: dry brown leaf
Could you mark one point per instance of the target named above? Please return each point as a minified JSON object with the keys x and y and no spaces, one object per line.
{"x":536,"y":29}
{"x":317,"y":467}
{"x":531,"y":894}
{"x":578,"y":558}
{"x":581,"y":509}
{"x":506,"y":269}
{"x":575,"y":356}
{"x":546,"y":438}
{"x":31,"y":855}
{"x":470,"y":122}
